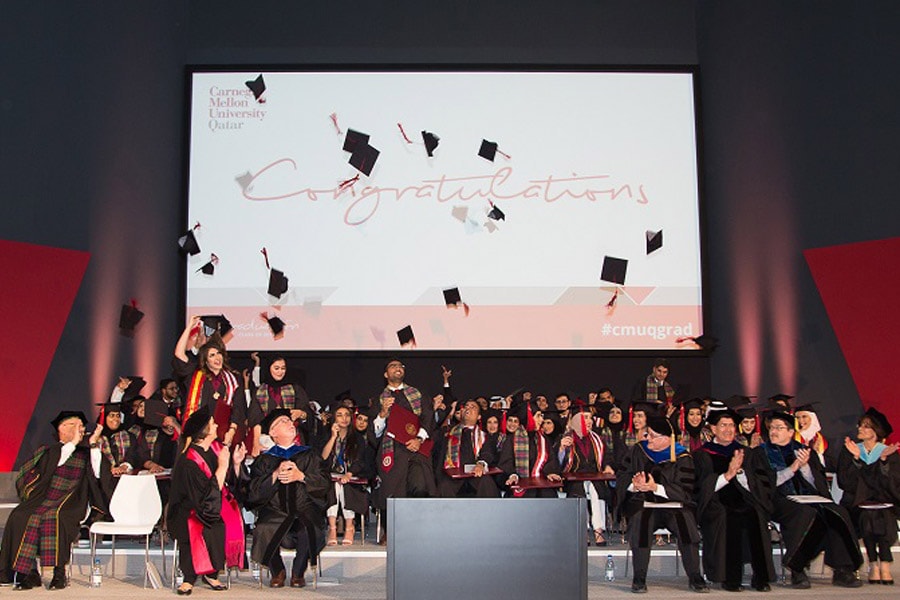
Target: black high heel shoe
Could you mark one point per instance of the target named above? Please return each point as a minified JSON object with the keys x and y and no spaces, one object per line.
{"x":217,"y":587}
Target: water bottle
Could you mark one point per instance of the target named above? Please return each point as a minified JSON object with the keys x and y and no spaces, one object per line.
{"x":254,"y":570}
{"x":610,"y":568}
{"x":179,"y":577}
{"x":96,"y":574}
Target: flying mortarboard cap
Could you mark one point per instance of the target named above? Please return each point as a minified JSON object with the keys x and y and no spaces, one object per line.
{"x":276,"y":325}
{"x":129,"y":317}
{"x":363,"y":158}
{"x":879,"y":420}
{"x":210,"y":267}
{"x":187,"y":242}
{"x":431,"y":142}
{"x":196,"y":422}
{"x":68,"y":414}
{"x":406,"y":336}
{"x":452,"y":297}
{"x":614,"y":269}
{"x":257,"y":86}
{"x":272,"y":416}
{"x":496,"y":214}
{"x":488,"y":150}
{"x":216,"y":324}
{"x":654,"y":240}
{"x":354,"y":138}
{"x":278,"y":283}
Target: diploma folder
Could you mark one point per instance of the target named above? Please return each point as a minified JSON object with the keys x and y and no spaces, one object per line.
{"x":403,"y":425}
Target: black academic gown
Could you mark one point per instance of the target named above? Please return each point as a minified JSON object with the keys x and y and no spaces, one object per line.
{"x":40,"y":478}
{"x":481,"y":487}
{"x":734,"y":520}
{"x":875,"y":483}
{"x":283,"y":508}
{"x":192,"y":490}
{"x":507,"y":463}
{"x":394,"y":470}
{"x":808,"y":529}
{"x":241,"y":415}
{"x":361,"y":464}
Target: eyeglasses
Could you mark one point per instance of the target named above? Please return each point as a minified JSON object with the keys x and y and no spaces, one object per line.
{"x":779,"y":428}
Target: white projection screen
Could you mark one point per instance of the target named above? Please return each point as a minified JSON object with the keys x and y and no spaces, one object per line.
{"x":587,"y":163}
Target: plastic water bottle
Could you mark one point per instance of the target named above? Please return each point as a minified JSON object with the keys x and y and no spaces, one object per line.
{"x":610,"y":568}
{"x":96,"y":574}
{"x":179,"y":577}
{"x":254,"y":570}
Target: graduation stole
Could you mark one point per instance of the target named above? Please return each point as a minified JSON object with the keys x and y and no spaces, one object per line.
{"x":123,"y":444}
{"x":596,"y":446}
{"x":231,"y":515}
{"x":196,"y":388}
{"x":451,"y":458}
{"x":653,"y":391}
{"x":520,"y":451}
{"x":288,"y":397}
{"x":414,"y":397}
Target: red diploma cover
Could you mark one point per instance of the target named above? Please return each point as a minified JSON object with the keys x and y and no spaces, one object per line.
{"x":589,"y":476}
{"x":403,"y":425}
{"x":535,"y":483}
{"x":455,"y":473}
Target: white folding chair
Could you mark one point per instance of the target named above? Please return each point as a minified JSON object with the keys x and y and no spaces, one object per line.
{"x":135,"y":508}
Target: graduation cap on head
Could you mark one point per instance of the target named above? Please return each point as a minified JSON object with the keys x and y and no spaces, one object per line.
{"x":737,"y":401}
{"x":257,"y":86}
{"x":880,"y":421}
{"x":613,"y":270}
{"x":495,"y":213}
{"x":196,"y":422}
{"x":187,"y":241}
{"x":267,"y":422}
{"x":805,"y":407}
{"x":134,"y":388}
{"x":715,"y":416}
{"x":65,"y":415}
{"x":654,"y":240}
{"x":129,"y":317}
{"x":406,"y":336}
{"x":779,"y":399}
{"x":649,"y":408}
{"x":109,"y":407}
{"x":787,"y":418}
{"x":363,"y":158}
{"x":431,"y":142}
{"x":660,"y":425}
{"x":213,"y":324}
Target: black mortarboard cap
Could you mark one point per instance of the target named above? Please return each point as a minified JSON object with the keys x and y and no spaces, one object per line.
{"x":747,"y":412}
{"x":196,"y":422}
{"x":354,"y":138}
{"x":654,"y":240}
{"x":660,"y":425}
{"x":188,"y":243}
{"x":431,"y":142}
{"x":614,"y":269}
{"x":257,"y":86}
{"x":216,"y":324}
{"x":737,"y":401}
{"x":649,"y":408}
{"x":129,"y":317}
{"x":806,"y":407}
{"x":780,"y":398}
{"x":496,"y":214}
{"x":207,"y":269}
{"x":68,"y":414}
{"x":707,"y":342}
{"x":406,"y":336}
{"x":788,"y":418}
{"x":278,"y":283}
{"x":276,"y":325}
{"x":879,"y":420}
{"x":692,"y":403}
{"x":715,"y":415}
{"x":270,"y":418}
{"x":363,"y":158}
{"x":452,"y":297}
{"x":109,"y":407}
{"x":134,"y":388}
{"x":488,"y":150}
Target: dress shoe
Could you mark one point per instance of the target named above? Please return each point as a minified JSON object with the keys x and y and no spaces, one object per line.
{"x":277,"y":580}
{"x":698,"y":584}
{"x":59,"y":580}
{"x":732,"y":587}
{"x":639,"y":585}
{"x":799,"y":580}
{"x":761,"y":586}
{"x":298,"y":581}
{"x":846,"y":578}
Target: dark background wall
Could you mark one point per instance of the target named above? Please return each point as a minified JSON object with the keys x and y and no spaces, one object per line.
{"x":797,"y":131}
